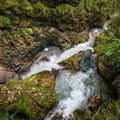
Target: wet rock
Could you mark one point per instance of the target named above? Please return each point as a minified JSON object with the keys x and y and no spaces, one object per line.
{"x":94,"y":102}
{"x":6,"y":75}
{"x":72,"y":63}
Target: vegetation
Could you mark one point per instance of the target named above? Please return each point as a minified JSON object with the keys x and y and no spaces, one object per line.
{"x":28,"y":26}
{"x":110,"y":49}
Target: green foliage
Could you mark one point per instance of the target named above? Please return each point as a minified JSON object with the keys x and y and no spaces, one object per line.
{"x":111,"y":112}
{"x":27,"y":31}
{"x":5,"y":22}
{"x":64,"y":9}
{"x":26,"y":7}
{"x":1,"y":33}
{"x":23,"y":107}
{"x":110,"y":50}
{"x":41,"y":9}
{"x":6,"y":116}
{"x":115,"y":25}
{"x":116,"y":84}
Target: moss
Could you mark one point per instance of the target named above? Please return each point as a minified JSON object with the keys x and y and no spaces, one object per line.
{"x":5,"y":22}
{"x":115,"y":25}
{"x":30,"y":98}
{"x":27,"y":31}
{"x":109,"y":49}
{"x":109,"y":112}
{"x":73,"y":63}
{"x":27,"y":7}
{"x":1,"y":33}
{"x":41,"y":9}
{"x":64,"y":9}
{"x":22,"y":106}
{"x":116,"y":84}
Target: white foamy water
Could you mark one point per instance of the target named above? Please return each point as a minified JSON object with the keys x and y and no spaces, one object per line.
{"x":70,"y":52}
{"x":55,"y":56}
{"x":92,"y":36}
{"x":42,"y":66}
{"x":74,"y":90}
{"x":51,"y":53}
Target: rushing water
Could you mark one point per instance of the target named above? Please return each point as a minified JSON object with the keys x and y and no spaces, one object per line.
{"x":73,"y":90}
{"x":55,"y":56}
{"x":51,"y":53}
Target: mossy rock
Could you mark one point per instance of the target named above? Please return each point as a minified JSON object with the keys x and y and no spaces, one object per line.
{"x":32,"y":97}
{"x":72,"y":63}
{"x":109,"y":112}
{"x":108,"y":59}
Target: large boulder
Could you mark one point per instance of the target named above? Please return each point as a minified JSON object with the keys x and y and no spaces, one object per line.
{"x":108,"y":59}
{"x":30,"y":98}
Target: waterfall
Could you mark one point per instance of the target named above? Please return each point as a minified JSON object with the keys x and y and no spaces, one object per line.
{"x":74,"y":90}
{"x":54,"y":57}
{"x":51,"y":53}
{"x":70,"y":52}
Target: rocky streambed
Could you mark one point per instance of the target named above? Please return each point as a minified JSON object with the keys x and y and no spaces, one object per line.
{"x":33,"y":97}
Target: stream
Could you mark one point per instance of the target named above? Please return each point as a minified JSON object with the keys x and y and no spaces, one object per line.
{"x":73,"y":90}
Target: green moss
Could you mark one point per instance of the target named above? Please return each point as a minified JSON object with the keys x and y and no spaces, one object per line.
{"x":30,"y":98}
{"x":1,"y":33}
{"x":73,"y":63}
{"x":109,"y":49}
{"x":5,"y":22}
{"x":22,"y":106}
{"x":111,"y":112}
{"x":27,"y":7}
{"x":27,"y":31}
{"x":115,"y":25}
{"x":64,"y":9}
{"x":41,"y":9}
{"x":116,"y":84}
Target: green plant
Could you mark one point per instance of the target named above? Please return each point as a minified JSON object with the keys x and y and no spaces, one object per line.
{"x":111,"y":112}
{"x":5,"y":22}
{"x":109,"y":50}
{"x":41,"y":9}
{"x":115,"y":25}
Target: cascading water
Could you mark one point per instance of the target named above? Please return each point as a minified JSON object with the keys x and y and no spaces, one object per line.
{"x":51,"y":53}
{"x":74,"y":90}
{"x":54,"y":57}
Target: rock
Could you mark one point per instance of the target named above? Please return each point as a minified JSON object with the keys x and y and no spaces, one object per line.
{"x":17,"y":47}
{"x":72,"y":63}
{"x":107,"y":50}
{"x":94,"y":102}
{"x":6,"y":75}
{"x":31,"y":98}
